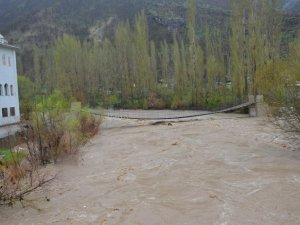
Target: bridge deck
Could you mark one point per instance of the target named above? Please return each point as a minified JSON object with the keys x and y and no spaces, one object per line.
{"x":241,"y":106}
{"x":165,"y":114}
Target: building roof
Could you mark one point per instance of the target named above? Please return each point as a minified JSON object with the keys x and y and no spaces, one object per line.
{"x":8,"y":46}
{"x":2,"y":40}
{"x":4,"y":43}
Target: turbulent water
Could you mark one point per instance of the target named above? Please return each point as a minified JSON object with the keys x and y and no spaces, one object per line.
{"x":219,"y":170}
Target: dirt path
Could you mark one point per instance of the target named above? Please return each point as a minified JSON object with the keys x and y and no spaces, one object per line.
{"x":222,"y":170}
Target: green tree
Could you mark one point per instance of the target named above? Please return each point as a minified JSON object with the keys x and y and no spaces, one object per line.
{"x":26,"y":95}
{"x":215,"y":65}
{"x":141,"y":40}
{"x":37,"y":70}
{"x":195,"y":56}
{"x":123,"y":45}
{"x":255,"y":41}
{"x":165,"y":62}
{"x":153,"y":62}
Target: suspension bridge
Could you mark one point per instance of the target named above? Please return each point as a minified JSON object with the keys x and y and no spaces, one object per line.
{"x":251,"y":104}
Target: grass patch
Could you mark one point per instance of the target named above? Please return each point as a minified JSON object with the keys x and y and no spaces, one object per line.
{"x":6,"y":156}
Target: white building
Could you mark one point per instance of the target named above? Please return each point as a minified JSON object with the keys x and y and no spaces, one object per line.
{"x":9,"y":97}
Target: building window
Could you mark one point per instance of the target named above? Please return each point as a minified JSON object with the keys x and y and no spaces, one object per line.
{"x":1,"y":91}
{"x":11,"y":90}
{"x":12,"y":111}
{"x":6,"y":89}
{"x":9,"y":62}
{"x":3,"y":60}
{"x":4,"y":112}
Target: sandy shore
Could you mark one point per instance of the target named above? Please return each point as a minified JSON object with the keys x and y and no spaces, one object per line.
{"x":224,"y":169}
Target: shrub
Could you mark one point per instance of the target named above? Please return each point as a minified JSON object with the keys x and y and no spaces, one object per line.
{"x":19,"y":176}
{"x":53,"y":131}
{"x":214,"y":102}
{"x":153,"y":102}
{"x":136,"y":104}
{"x":278,"y":83}
{"x":165,"y":93}
{"x":89,"y":125}
{"x":26,"y":92}
{"x":178,"y":103}
{"x":8,"y":156}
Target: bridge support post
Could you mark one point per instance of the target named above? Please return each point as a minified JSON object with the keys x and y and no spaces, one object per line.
{"x":259,"y":107}
{"x":252,"y":111}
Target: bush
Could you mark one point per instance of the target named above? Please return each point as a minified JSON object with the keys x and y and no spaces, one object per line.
{"x":112,"y":100}
{"x":26,"y":93}
{"x":153,"y":102}
{"x":166,"y":94}
{"x":182,"y":102}
{"x":18,"y":176}
{"x":53,"y":131}
{"x":18,"y":179}
{"x":136,"y":104}
{"x":278,"y":83}
{"x":8,"y":156}
{"x":214,"y":102}
{"x":89,"y":125}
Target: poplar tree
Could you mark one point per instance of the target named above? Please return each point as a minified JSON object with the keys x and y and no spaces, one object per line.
{"x":215,"y":65}
{"x":122,"y":43}
{"x":178,"y":70}
{"x":141,"y":41}
{"x":238,"y":60}
{"x":37,"y":70}
{"x":165,"y":62}
{"x":255,"y":41}
{"x":153,"y":62}
{"x":195,"y":56}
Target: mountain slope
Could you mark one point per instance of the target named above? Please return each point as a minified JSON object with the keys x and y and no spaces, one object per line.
{"x":28,"y":22}
{"x":13,"y":10}
{"x":41,"y":21}
{"x":292,"y":6}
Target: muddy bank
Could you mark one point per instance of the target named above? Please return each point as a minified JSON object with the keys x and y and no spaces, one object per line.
{"x":222,"y":169}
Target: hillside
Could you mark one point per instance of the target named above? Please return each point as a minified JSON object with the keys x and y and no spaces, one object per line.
{"x":292,"y":6}
{"x":40,"y":22}
{"x":27,"y":22}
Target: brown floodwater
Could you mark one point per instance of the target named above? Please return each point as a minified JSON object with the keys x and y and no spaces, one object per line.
{"x":219,"y":170}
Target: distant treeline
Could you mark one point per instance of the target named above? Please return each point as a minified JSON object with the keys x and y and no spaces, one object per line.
{"x":203,"y":68}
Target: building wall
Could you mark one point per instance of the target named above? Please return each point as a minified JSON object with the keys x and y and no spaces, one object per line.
{"x":8,"y":75}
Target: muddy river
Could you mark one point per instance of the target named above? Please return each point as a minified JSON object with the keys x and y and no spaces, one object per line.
{"x":218,"y":170}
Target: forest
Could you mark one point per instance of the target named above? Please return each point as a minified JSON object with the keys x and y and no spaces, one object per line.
{"x":203,"y":67}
